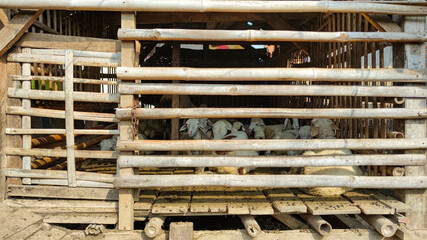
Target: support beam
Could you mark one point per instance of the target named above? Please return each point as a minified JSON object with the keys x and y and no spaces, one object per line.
{"x":219,"y":6}
{"x":69,"y":117}
{"x":16,"y":28}
{"x":26,"y":120}
{"x":3,"y":101}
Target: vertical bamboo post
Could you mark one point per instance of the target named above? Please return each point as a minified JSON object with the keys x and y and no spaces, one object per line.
{"x":26,"y":120}
{"x":175,"y":98}
{"x":69,"y":117}
{"x":3,"y":101}
{"x":126,"y":196}
{"x":415,"y":58}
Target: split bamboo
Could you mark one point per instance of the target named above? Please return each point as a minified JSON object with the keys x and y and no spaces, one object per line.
{"x":60,"y":95}
{"x":199,"y":35}
{"x":271,"y":74}
{"x":269,"y":144}
{"x":219,"y":6}
{"x":279,"y":181}
{"x":271,"y":161}
{"x":61,"y":79}
{"x":354,"y":113}
{"x":270,"y":90}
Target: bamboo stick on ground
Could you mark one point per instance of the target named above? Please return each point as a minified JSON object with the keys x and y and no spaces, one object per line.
{"x":154,"y":226}
{"x":251,"y":225}
{"x":318,"y":223}
{"x":382,"y":224}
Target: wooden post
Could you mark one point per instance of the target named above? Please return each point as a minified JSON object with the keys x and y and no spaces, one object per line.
{"x":126,"y":198}
{"x":175,"y":98}
{"x":69,"y":117}
{"x":3,"y":100}
{"x":26,"y":120}
{"x":181,"y":231}
{"x":415,"y":58}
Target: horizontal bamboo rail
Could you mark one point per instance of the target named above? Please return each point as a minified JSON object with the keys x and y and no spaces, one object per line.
{"x":285,"y":181}
{"x":350,"y":113}
{"x":60,"y":95}
{"x":64,"y":182}
{"x":61,"y":79}
{"x":269,"y":144}
{"x":57,"y":59}
{"x":218,"y":6}
{"x":77,"y":53}
{"x":57,"y":174}
{"x":271,"y":161}
{"x":37,"y":152}
{"x":270,"y":90}
{"x":271,"y":74}
{"x":19,"y":131}
{"x":200,"y":35}
{"x":37,"y":112}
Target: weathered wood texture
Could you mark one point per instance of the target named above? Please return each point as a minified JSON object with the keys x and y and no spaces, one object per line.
{"x":221,"y":6}
{"x":210,"y":35}
{"x":293,"y":181}
{"x":35,"y":152}
{"x":308,"y":113}
{"x":3,"y":101}
{"x":62,"y":192}
{"x":271,"y":74}
{"x":16,"y":28}
{"x":60,"y":95}
{"x":69,"y":118}
{"x":26,"y":120}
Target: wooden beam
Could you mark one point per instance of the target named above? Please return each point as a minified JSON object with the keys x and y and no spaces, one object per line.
{"x":69,"y":118}
{"x":51,"y":41}
{"x":44,"y":27}
{"x":57,"y":174}
{"x":219,"y":6}
{"x":269,"y":144}
{"x":62,"y":192}
{"x":60,"y":95}
{"x":37,"y":152}
{"x":382,"y":22}
{"x":4,"y":18}
{"x":307,"y":113}
{"x":16,"y":28}
{"x":26,"y":120}
{"x":274,"y":181}
{"x":3,"y":103}
{"x":271,"y":74}
{"x":199,"y":35}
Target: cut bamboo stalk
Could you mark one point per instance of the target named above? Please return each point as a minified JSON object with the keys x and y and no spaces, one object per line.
{"x":394,"y":134}
{"x":37,"y":112}
{"x":271,"y":161}
{"x":154,"y":226}
{"x":199,"y":35}
{"x":69,"y":118}
{"x":333,"y":113}
{"x":271,"y":74}
{"x":60,"y":95}
{"x":382,"y":224}
{"x":269,"y":144}
{"x":318,"y":223}
{"x":61,"y":79}
{"x":269,"y":90}
{"x":279,"y":181}
{"x":26,"y":120}
{"x":17,"y":131}
{"x":60,"y":153}
{"x":56,"y":59}
{"x":251,"y":225}
{"x":43,"y":140}
{"x":396,"y":171}
{"x":54,"y":174}
{"x":219,"y":6}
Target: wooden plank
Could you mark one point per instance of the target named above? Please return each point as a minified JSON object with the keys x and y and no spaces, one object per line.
{"x":87,"y":218}
{"x":220,"y":6}
{"x":26,"y":120}
{"x":399,"y":206}
{"x":259,"y":205}
{"x":57,"y":174}
{"x":40,"y":40}
{"x":181,"y":231}
{"x":208,"y":202}
{"x":172,"y":202}
{"x":269,"y":90}
{"x":146,"y":200}
{"x":3,"y":122}
{"x":16,"y":28}
{"x":351,"y":223}
{"x":60,"y":95}
{"x":36,"y":152}
{"x":368,"y":204}
{"x":162,"y":34}
{"x":382,"y":22}
{"x":69,"y":118}
{"x":285,"y":201}
{"x":330,"y":205}
{"x":62,"y":192}
{"x":50,"y":131}
{"x":271,"y":74}
{"x":349,"y":113}
{"x":269,"y":181}
{"x":238,"y":202}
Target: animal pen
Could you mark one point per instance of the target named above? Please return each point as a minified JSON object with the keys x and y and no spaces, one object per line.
{"x":94,"y":93}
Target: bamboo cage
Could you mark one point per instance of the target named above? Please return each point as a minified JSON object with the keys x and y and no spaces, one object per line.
{"x":95,"y":101}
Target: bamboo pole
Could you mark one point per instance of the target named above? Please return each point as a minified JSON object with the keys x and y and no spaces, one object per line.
{"x":219,"y":6}
{"x":269,"y":90}
{"x":60,"y":95}
{"x":167,"y":113}
{"x":64,"y":182}
{"x":271,"y":74}
{"x":60,"y":153}
{"x":154,"y":226}
{"x":199,"y":35}
{"x":61,"y":79}
{"x":269,"y":144}
{"x":37,"y":112}
{"x":394,"y":134}
{"x":77,"y":53}
{"x":55,"y":59}
{"x":382,"y":224}
{"x":69,"y":118}
{"x":251,"y":225}
{"x":395,"y":171}
{"x":17,"y":131}
{"x":318,"y":223}
{"x":26,"y":120}
{"x":279,"y":181}
{"x":56,"y":174}
{"x":271,"y":161}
